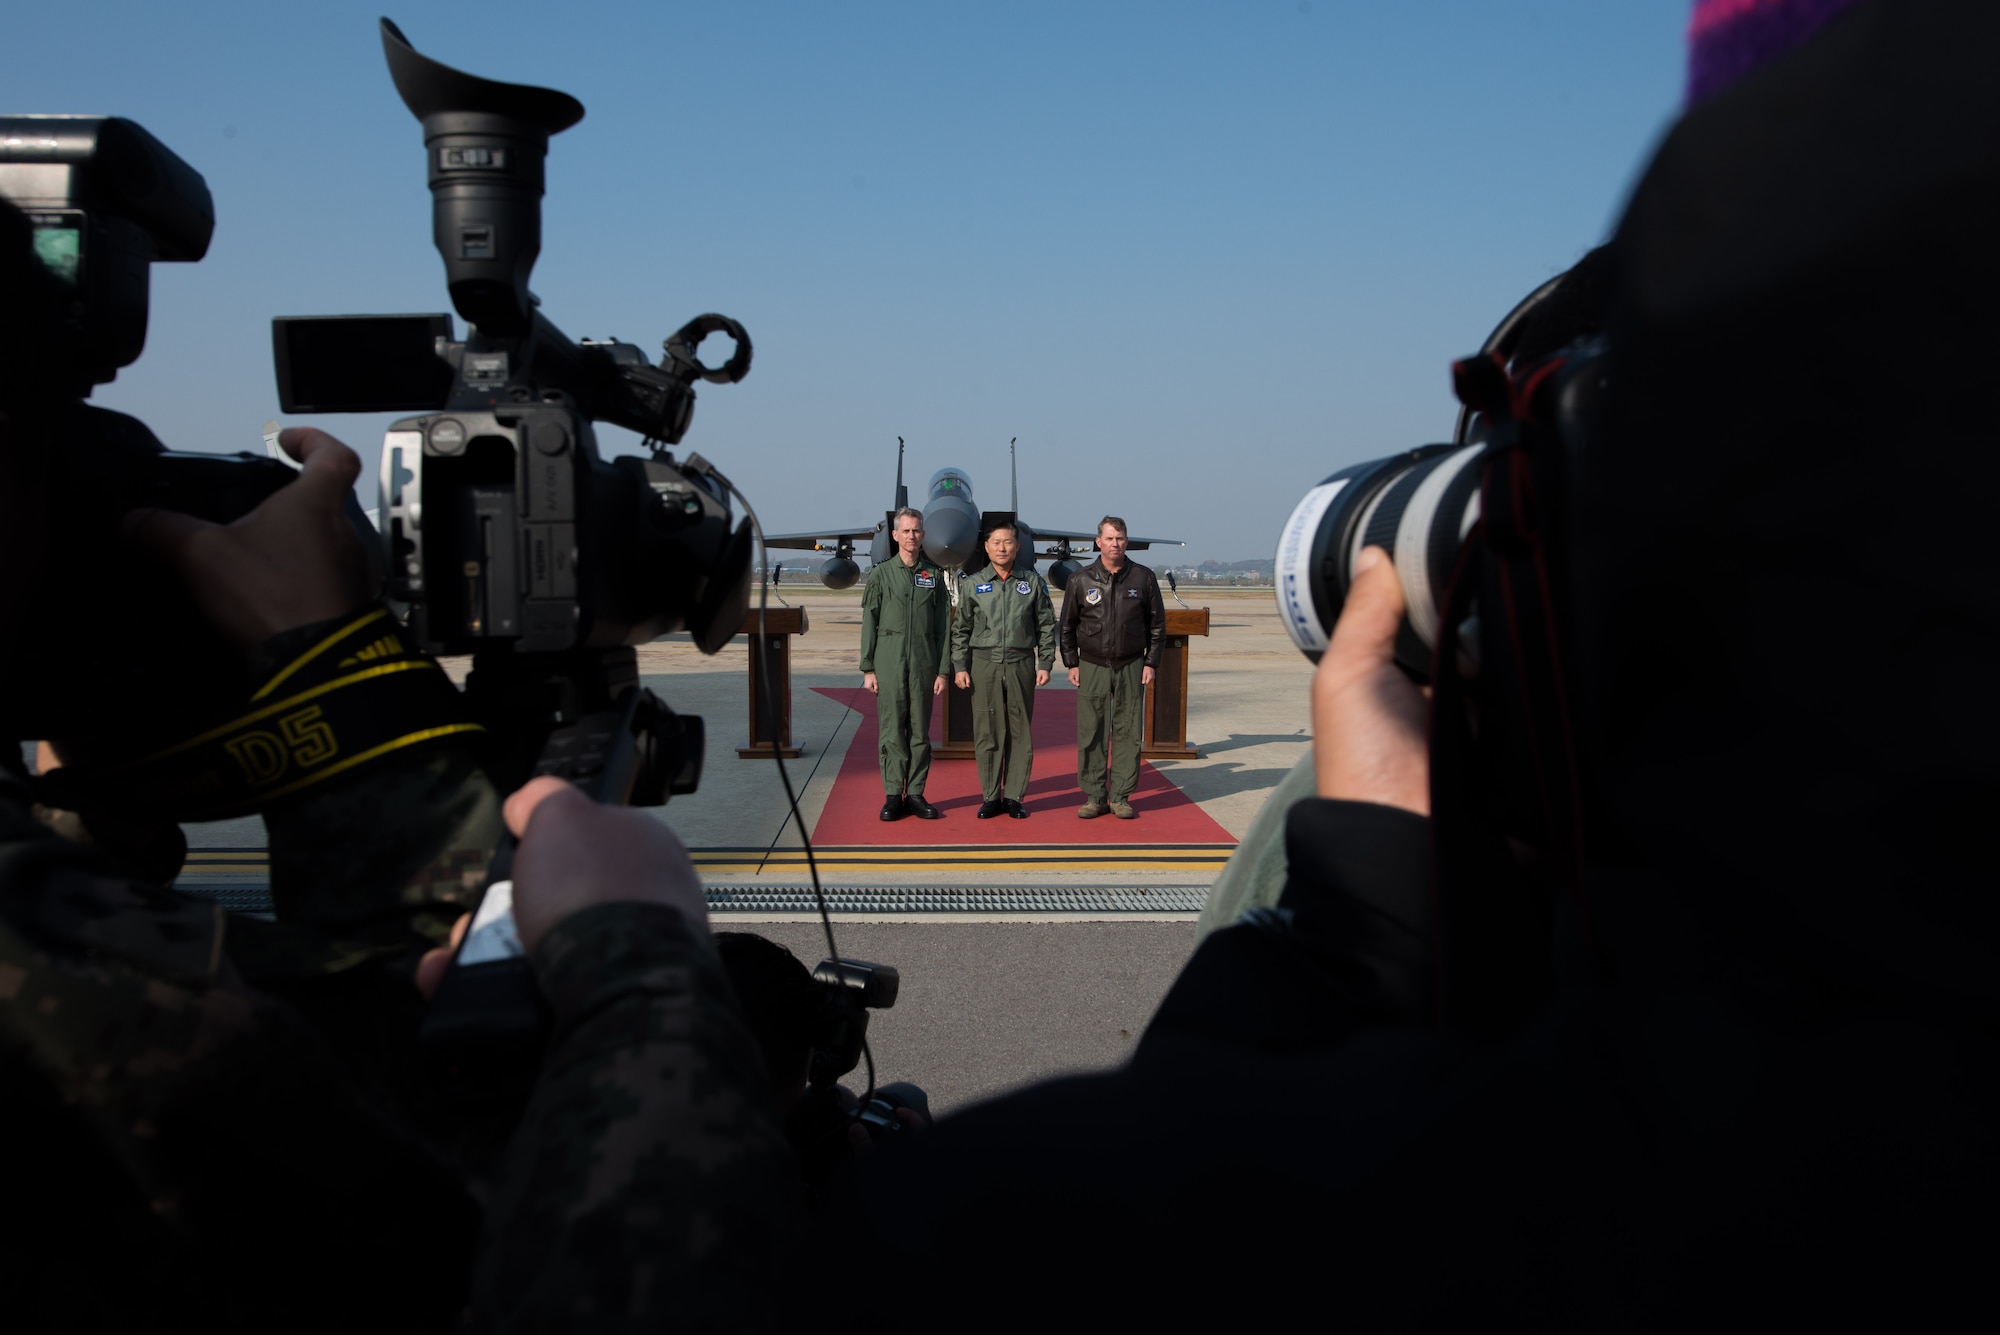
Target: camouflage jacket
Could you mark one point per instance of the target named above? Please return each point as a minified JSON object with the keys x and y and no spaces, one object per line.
{"x":168,"y":1113}
{"x":649,"y":1186}
{"x":222,"y":1108}
{"x":229,"y":1112}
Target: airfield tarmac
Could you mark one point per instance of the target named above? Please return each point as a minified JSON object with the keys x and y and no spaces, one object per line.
{"x":993,"y":997}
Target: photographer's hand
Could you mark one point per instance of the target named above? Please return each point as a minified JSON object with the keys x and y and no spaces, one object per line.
{"x":1370,"y":722}
{"x":292,"y":561}
{"x":575,"y":854}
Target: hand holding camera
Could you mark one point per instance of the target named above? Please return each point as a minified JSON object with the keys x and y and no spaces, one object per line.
{"x":1370,"y":721}
{"x":576,"y":854}
{"x":292,"y":561}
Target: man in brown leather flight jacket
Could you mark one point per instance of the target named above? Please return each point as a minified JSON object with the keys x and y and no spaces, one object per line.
{"x":1115,"y":622}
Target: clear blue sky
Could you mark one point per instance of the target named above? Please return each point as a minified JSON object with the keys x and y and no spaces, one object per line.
{"x":1196,"y":256}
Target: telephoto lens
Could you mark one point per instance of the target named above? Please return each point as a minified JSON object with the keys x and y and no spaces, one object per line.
{"x":1418,"y":506}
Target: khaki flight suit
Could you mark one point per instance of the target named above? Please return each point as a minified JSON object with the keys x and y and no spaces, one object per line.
{"x":905,"y":642}
{"x":1002,"y":633}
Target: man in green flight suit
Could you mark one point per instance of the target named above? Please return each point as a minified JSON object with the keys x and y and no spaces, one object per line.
{"x":905,"y":624}
{"x":1003,"y":645}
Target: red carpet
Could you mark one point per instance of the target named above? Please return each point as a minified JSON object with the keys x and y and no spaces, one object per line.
{"x":853,"y":810}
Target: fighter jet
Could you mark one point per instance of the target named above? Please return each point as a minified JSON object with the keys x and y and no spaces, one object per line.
{"x":953,"y":527}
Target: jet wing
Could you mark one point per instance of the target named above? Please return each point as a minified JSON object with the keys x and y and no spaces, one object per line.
{"x":1136,"y":544}
{"x":810,"y":542}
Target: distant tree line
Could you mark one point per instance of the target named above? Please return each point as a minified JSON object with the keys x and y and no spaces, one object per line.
{"x":1224,"y":573}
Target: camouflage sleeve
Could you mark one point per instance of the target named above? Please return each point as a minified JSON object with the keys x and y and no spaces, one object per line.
{"x":386,"y":858}
{"x":227,"y":1122}
{"x":389,"y":858}
{"x":649,"y":1185}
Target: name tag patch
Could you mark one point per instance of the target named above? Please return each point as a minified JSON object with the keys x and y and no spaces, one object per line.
{"x":1094,"y":596}
{"x":982,"y":588}
{"x":1024,"y":587}
{"x":1131,"y":593}
{"x":925,"y":580}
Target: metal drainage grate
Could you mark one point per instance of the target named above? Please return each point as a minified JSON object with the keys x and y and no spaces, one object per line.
{"x":255,"y":897}
{"x":956,"y":899}
{"x":237,"y":895}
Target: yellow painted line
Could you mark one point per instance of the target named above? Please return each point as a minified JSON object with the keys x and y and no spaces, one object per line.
{"x":984,"y":852}
{"x":1067,"y":858}
{"x":1080,"y":857}
{"x":837,"y":867}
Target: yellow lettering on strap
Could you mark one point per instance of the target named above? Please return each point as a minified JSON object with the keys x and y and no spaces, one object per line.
{"x":267,"y":711}
{"x":409,"y":739}
{"x":318,"y":649}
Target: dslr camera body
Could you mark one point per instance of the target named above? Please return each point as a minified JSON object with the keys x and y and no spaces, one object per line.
{"x":103,"y":199}
{"x":1480,"y":533}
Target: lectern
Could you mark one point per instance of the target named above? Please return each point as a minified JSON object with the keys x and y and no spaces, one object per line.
{"x":1167,"y":698}
{"x":771,"y":719}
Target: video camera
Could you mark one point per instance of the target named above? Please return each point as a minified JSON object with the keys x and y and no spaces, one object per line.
{"x":817,"y":1124}
{"x":503,"y":532}
{"x":502,"y":529}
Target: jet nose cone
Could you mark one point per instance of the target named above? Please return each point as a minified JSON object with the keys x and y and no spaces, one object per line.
{"x":951,"y":528}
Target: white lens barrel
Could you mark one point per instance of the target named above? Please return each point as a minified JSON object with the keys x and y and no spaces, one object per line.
{"x":1424,"y":586}
{"x":1418,"y":505}
{"x":1296,"y":567}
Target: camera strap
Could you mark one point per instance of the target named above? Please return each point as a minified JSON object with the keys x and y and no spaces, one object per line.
{"x":357,"y":695}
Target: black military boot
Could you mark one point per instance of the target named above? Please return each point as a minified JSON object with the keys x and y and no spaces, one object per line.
{"x":921,"y":809}
{"x":892,"y":807}
{"x":988,"y":810}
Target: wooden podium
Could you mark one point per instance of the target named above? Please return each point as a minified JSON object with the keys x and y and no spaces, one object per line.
{"x":772,"y":719}
{"x":1164,"y":732}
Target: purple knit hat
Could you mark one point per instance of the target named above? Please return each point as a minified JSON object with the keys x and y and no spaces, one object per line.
{"x":1728,"y":39}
